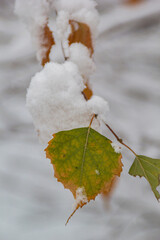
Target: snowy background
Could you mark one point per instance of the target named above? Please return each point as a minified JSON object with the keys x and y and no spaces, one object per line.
{"x":32,"y":204}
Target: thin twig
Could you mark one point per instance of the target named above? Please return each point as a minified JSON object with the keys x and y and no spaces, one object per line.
{"x":93,"y":116}
{"x":65,"y":58}
{"x":120,"y":140}
{"x":71,"y":215}
{"x":84,"y":95}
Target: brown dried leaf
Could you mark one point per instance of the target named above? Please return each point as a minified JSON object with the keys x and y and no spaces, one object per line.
{"x":87,"y":92}
{"x":47,"y":41}
{"x":80,"y":34}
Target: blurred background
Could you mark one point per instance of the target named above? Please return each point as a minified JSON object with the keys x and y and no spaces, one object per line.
{"x":32,"y":204}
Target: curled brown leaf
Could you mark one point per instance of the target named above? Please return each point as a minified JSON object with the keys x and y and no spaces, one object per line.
{"x":80,"y":33}
{"x":47,"y":41}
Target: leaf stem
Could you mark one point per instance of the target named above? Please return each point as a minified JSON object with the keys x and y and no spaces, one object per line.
{"x":71,"y":215}
{"x":120,"y":140}
{"x":93,"y":116}
{"x":84,"y":95}
{"x":65,"y":58}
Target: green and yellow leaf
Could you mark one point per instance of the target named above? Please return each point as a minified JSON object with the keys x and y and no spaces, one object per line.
{"x":84,"y":162}
{"x":150,"y":169}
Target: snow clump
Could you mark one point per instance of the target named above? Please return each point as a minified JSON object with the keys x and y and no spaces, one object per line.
{"x":56,"y":102}
{"x":80,"y":55}
{"x":117,"y":149}
{"x":81,"y":197}
{"x":35,"y":15}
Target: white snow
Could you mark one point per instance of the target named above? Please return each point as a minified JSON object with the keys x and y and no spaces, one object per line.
{"x":82,"y":11}
{"x":33,"y":11}
{"x":63,"y":30}
{"x":117,"y":149}
{"x":97,"y":172}
{"x":80,"y":55}
{"x":97,"y":103}
{"x":81,"y":197}
{"x":73,"y":6}
{"x":62,"y":23}
{"x":56,"y":102}
{"x":35,"y":15}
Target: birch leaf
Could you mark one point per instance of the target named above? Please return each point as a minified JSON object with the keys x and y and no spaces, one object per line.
{"x":150,"y":169}
{"x":84,"y":161}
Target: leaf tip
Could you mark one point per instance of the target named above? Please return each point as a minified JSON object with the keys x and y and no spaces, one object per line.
{"x":80,"y":200}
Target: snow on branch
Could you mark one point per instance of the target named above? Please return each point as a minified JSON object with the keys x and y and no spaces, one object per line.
{"x":59,"y":97}
{"x":56,"y":103}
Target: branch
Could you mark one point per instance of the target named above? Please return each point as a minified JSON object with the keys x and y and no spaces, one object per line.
{"x":120,"y":140}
